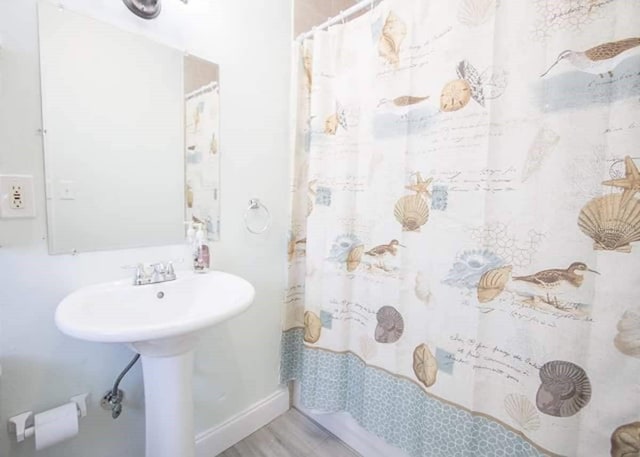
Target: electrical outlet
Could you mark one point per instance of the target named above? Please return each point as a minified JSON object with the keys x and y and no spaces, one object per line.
{"x":16,"y":197}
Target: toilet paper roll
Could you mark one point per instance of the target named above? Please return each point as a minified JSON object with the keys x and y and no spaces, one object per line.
{"x":56,"y":425}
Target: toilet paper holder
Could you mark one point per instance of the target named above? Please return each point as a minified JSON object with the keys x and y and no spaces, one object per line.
{"x":18,"y":424}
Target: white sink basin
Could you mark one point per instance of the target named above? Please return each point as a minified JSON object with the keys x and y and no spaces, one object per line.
{"x":119,"y":312}
{"x":161,"y":322}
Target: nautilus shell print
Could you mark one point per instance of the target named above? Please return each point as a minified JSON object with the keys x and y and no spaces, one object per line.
{"x":522,"y":411}
{"x":394,"y":32}
{"x":412,"y":211}
{"x":564,"y":390}
{"x":625,"y":440}
{"x":492,"y":283}
{"x":628,"y":338}
{"x":612,"y":225}
{"x":390,"y":325}
{"x":425,"y":365}
{"x":312,"y":327}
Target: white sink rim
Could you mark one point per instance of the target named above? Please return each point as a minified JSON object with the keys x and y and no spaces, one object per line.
{"x":70,"y":320}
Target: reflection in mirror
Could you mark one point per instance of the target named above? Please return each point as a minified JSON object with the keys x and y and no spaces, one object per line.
{"x":202,"y":126}
{"x":117,"y":109}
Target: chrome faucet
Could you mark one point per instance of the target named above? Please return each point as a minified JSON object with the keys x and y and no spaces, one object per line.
{"x":160,"y":272}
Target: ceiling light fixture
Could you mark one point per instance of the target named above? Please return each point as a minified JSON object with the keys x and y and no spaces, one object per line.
{"x":146,"y":9}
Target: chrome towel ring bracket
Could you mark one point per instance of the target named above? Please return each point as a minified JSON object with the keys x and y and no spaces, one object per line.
{"x":255,"y":205}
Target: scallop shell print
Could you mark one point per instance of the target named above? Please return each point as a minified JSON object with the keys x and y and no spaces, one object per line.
{"x":625,"y":440}
{"x":522,"y":411}
{"x":393,"y":34}
{"x":312,"y":327}
{"x":390,"y":325}
{"x":612,"y":225}
{"x":628,"y":338}
{"x":412,"y":211}
{"x":565,"y":389}
{"x":492,"y":283}
{"x":354,"y":257}
{"x":425,"y":365}
{"x":476,"y":12}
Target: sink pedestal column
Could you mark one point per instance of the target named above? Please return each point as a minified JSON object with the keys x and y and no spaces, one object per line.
{"x":168,"y":398}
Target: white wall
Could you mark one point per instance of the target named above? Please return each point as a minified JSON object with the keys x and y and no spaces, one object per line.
{"x":237,"y":363}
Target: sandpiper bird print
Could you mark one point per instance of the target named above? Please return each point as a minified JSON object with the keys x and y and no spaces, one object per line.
{"x":600,"y":59}
{"x":383,"y":250}
{"x":554,"y":279}
{"x":630,"y":183}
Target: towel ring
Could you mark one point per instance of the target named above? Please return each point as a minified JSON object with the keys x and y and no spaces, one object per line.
{"x":256,"y":204}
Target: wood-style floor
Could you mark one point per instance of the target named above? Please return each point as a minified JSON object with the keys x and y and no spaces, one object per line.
{"x":290,"y":435}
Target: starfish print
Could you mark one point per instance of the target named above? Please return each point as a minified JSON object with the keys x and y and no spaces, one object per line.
{"x":421,"y":186}
{"x":630,"y":183}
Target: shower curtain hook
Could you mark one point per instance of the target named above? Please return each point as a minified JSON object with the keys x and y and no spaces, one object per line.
{"x":342,"y":16}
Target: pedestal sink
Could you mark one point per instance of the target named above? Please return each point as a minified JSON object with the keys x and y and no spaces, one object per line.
{"x":161,"y":322}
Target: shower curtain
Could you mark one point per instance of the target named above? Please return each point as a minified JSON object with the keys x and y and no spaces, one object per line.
{"x":464,"y":253}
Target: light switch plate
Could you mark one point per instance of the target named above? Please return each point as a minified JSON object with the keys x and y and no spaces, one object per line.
{"x":16,"y":197}
{"x":66,"y":190}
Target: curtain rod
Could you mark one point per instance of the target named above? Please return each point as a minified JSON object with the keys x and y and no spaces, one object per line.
{"x":339,"y":18}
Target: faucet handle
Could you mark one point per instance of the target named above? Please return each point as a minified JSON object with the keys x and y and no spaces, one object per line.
{"x":136,"y":266}
{"x":158,"y":267}
{"x":170,"y":271}
{"x":159,"y":272}
{"x":140,"y":276}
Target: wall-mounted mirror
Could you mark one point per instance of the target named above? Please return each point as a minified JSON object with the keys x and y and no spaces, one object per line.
{"x":131,"y":136}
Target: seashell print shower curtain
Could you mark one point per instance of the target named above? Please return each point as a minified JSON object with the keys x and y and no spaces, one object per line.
{"x":464,"y":253}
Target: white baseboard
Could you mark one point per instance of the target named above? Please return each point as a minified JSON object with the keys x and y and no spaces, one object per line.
{"x":218,"y":439}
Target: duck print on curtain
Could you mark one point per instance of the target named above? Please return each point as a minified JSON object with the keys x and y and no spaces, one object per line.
{"x":464,"y":253}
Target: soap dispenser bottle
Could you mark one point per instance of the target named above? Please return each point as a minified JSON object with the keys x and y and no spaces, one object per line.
{"x":201,"y":258}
